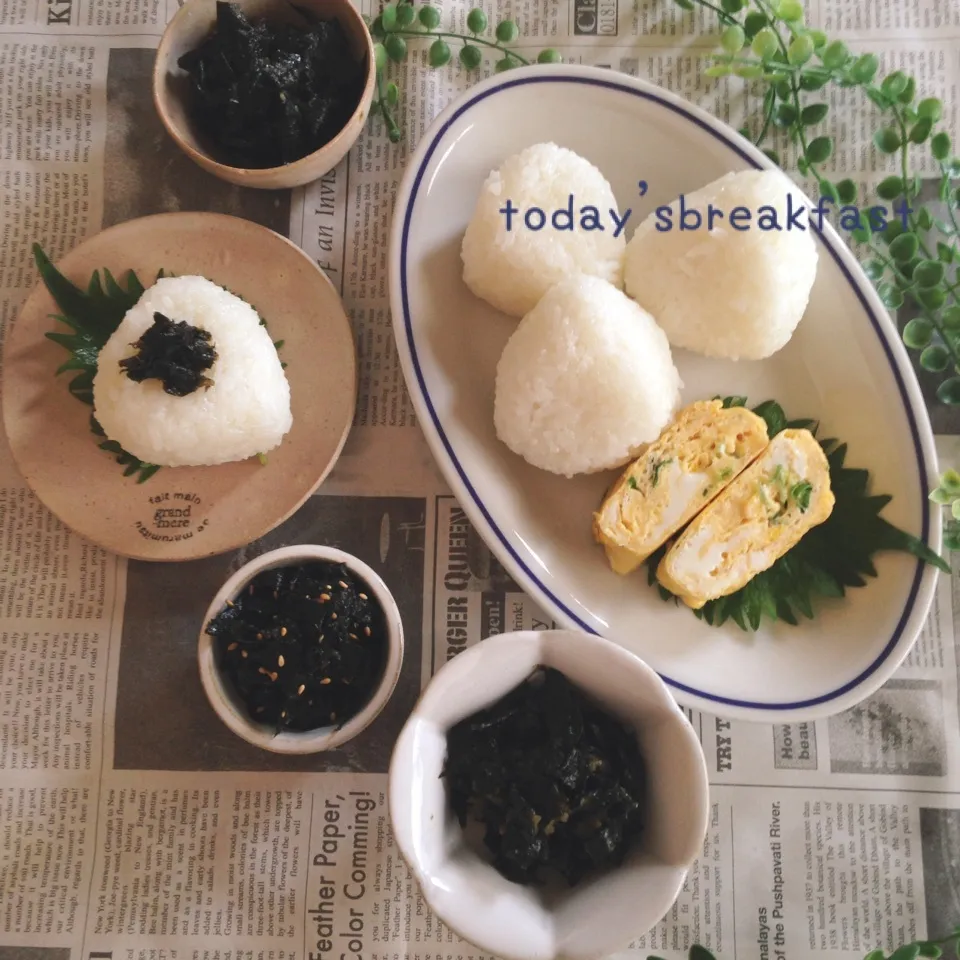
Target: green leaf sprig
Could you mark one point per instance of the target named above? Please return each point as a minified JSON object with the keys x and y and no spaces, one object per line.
{"x":92,"y":316}
{"x":913,"y":259}
{"x":947,"y":494}
{"x":944,"y":946}
{"x":404,"y":22}
{"x":830,"y":559}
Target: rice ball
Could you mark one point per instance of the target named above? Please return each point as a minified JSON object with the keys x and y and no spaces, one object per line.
{"x":244,"y":411}
{"x":736,"y":292}
{"x":513,"y":269}
{"x":585,"y":381}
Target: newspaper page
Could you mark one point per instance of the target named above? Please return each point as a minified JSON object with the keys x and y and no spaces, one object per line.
{"x":135,"y":826}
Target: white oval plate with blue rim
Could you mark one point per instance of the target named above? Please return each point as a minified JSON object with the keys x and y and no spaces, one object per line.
{"x":845,"y":367}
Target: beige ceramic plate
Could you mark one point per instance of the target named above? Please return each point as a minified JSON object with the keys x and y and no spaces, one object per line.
{"x":185,"y":513}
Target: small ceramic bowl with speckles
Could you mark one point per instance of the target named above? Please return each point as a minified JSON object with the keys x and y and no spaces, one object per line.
{"x":301,"y":649}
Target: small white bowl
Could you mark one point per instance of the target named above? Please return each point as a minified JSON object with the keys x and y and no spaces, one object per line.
{"x":229,"y":708}
{"x":602,"y":915}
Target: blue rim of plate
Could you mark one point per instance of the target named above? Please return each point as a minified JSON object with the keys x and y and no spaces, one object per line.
{"x":426,"y":155}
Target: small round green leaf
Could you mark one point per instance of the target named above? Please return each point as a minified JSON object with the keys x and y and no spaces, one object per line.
{"x":790,"y":10}
{"x":476,"y":21}
{"x":931,"y":108}
{"x":812,"y":81}
{"x":894,"y":229}
{"x":904,"y":247}
{"x":470,"y":56}
{"x":800,"y":50}
{"x":439,"y":54}
{"x":933,"y":299}
{"x":873,"y":95}
{"x":865,"y":68}
{"x":908,"y":92}
{"x":814,"y":113}
{"x":928,"y":273}
{"x":731,"y":6}
{"x":549,"y":56}
{"x":700,"y":953}
{"x":773,"y":156}
{"x":785,"y":115}
{"x":951,"y":537}
{"x":924,"y":219}
{"x":949,"y":391}
{"x":733,"y":38}
{"x":392,"y":94}
{"x":863,"y":233}
{"x":909,"y":951}
{"x":507,"y":63}
{"x":950,"y":482}
{"x":847,"y":191}
{"x":887,"y":140}
{"x":945,"y":252}
{"x":939,"y":496}
{"x":405,"y":15}
{"x":753,"y":23}
{"x":429,"y":17}
{"x":682,"y":4}
{"x":748,"y":71}
{"x":894,"y":84}
{"x":890,"y":296}
{"x":935,"y":359}
{"x":940,"y":146}
{"x":820,"y":150}
{"x":718,"y":70}
{"x":388,"y":17}
{"x":874,"y":269}
{"x":819,"y":39}
{"x":920,"y":130}
{"x":765,"y":44}
{"x":396,"y":47}
{"x":802,"y":166}
{"x":950,"y":318}
{"x":828,"y":189}
{"x":890,"y":188}
{"x":917,"y":333}
{"x":379,"y":56}
{"x":507,"y":31}
{"x":835,"y":55}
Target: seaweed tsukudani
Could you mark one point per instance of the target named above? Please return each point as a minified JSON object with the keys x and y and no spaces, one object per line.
{"x":558,"y":783}
{"x":304,"y":646}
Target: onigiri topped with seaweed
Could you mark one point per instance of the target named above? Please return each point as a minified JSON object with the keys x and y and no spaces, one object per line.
{"x":191,"y":377}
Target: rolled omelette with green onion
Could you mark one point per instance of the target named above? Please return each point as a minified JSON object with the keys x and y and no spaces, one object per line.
{"x":694,"y":459}
{"x":761,"y":515}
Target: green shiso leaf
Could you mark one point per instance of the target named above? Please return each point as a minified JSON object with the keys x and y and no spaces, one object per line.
{"x":830,"y":559}
{"x":92,"y":316}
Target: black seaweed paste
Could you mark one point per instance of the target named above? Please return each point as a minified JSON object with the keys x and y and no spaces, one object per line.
{"x":558,"y":784}
{"x":175,"y":353}
{"x":267,"y":94}
{"x":303,"y":646}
